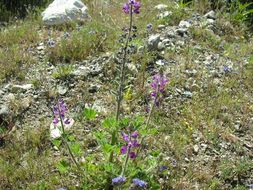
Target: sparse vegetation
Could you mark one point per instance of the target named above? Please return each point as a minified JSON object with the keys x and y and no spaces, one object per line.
{"x":189,"y":127}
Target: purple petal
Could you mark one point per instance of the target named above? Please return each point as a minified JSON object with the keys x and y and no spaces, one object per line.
{"x":123,"y":149}
{"x":135,"y":134}
{"x":55,"y":121}
{"x":118,"y":180}
{"x":67,"y":121}
{"x":126,"y":8}
{"x":139,"y":182}
{"x":125,"y":137}
{"x":135,"y":143}
{"x":132,"y":155}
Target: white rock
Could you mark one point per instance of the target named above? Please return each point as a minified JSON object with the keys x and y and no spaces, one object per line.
{"x":184,"y":24}
{"x":161,"y":62}
{"x":153,"y":41}
{"x":196,"y":148}
{"x":62,"y":90}
{"x":210,"y":15}
{"x":161,"y":7}
{"x":210,"y":21}
{"x":4,"y":110}
{"x":62,"y":11}
{"x":55,"y":129}
{"x":164,"y":14}
{"x":24,"y":87}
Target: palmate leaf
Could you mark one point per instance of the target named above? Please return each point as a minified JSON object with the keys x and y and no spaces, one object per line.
{"x":89,"y":113}
{"x":63,"y":166}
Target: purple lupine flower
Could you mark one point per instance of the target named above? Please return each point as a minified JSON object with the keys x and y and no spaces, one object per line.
{"x":123,"y":149}
{"x":131,"y":142}
{"x":158,"y":88}
{"x":132,"y":4}
{"x":135,"y":134}
{"x":60,"y":110}
{"x":132,"y":155}
{"x":125,"y":137}
{"x":140,"y":183}
{"x":137,"y":6}
{"x":67,"y":121}
{"x":126,"y":8}
{"x":118,"y":180}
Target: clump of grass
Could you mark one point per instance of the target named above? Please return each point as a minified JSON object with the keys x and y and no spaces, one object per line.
{"x":14,"y":54}
{"x":91,"y":39}
{"x":63,"y":72}
{"x":206,"y":37}
{"x":13,"y":62}
{"x":178,"y":13}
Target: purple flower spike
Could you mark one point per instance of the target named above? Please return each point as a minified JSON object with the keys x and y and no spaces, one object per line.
{"x":140,"y":183}
{"x":132,"y":4}
{"x":60,"y":110}
{"x":118,"y":180}
{"x":158,"y":86}
{"x":131,"y":143}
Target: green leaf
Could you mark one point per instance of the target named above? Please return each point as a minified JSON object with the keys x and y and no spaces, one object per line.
{"x":89,"y":113}
{"x":63,"y":166}
{"x":42,"y":186}
{"x":71,"y":138}
{"x":107,"y":148}
{"x":57,"y":142}
{"x":76,"y":148}
{"x":109,"y":123}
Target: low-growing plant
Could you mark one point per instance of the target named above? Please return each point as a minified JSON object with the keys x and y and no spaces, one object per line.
{"x":239,"y":12}
{"x":63,"y":72}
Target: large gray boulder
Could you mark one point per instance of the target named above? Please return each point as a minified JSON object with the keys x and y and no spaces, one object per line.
{"x":62,"y":11}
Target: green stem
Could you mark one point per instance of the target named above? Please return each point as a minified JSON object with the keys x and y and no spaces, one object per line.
{"x":121,"y":83}
{"x":66,"y":143}
{"x":149,"y":117}
{"x":125,"y":164}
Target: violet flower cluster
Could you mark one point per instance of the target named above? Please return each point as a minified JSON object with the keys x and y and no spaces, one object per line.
{"x":132,"y":5}
{"x":140,"y":183}
{"x":118,"y":180}
{"x":131,"y":142}
{"x":158,"y":86}
{"x":60,"y":110}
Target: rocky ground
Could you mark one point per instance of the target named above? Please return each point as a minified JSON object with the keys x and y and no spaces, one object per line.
{"x":205,"y":77}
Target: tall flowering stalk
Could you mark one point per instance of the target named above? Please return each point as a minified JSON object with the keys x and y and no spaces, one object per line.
{"x":131,"y":7}
{"x":158,"y":93}
{"x":60,"y":110}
